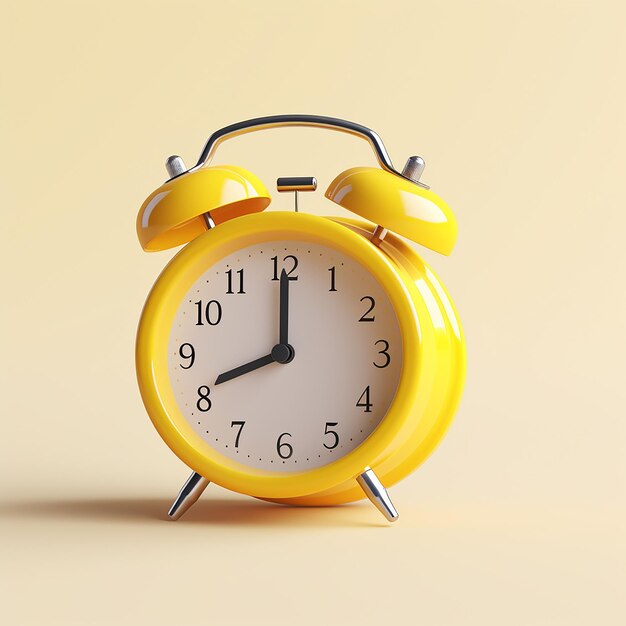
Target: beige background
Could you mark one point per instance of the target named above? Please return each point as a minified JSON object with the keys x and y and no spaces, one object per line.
{"x":518,"y":108}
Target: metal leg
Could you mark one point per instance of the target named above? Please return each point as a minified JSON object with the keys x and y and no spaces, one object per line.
{"x":188,"y":495}
{"x":377,"y":494}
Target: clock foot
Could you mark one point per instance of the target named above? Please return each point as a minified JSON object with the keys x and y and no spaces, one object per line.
{"x":188,"y":495}
{"x":374,"y":490}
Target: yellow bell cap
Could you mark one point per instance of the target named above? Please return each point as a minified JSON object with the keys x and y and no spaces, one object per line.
{"x":172,"y":215}
{"x":396,"y":204}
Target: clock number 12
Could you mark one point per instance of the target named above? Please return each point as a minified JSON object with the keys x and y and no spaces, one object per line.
{"x":287,"y":259}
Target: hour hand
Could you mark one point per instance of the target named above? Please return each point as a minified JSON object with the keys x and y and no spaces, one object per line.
{"x":281,"y":353}
{"x":244,"y":369}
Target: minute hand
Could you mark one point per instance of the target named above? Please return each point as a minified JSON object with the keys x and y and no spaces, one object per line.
{"x":284,"y":309}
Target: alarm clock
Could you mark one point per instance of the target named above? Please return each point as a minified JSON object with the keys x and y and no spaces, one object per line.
{"x":295,"y":358}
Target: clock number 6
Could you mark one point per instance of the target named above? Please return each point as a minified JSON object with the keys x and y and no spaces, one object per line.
{"x":284,"y":449}
{"x":384,"y":353}
{"x":334,"y":433}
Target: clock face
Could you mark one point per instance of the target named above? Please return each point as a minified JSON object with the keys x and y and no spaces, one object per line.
{"x":340,"y":367}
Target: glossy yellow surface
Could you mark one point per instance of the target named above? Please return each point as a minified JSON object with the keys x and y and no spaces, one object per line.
{"x":154,"y":330}
{"x":443,"y":351}
{"x":397,"y":204}
{"x":172,"y":215}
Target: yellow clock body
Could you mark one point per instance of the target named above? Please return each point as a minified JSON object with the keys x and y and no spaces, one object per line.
{"x":367,"y":381}
{"x":432,"y":367}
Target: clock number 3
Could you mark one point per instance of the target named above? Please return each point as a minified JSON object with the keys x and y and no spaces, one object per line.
{"x":384,"y":352}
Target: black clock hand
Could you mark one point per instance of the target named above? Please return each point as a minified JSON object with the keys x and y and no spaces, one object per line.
{"x":280,"y":354}
{"x":283,"y":336}
{"x":283,"y":351}
{"x":244,"y":369}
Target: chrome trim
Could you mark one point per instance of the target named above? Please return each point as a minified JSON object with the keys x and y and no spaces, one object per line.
{"x":296,"y":183}
{"x":208,"y":220}
{"x":175,"y":166}
{"x":188,"y":495}
{"x":319,"y":121}
{"x":414,"y":168}
{"x":374,"y":490}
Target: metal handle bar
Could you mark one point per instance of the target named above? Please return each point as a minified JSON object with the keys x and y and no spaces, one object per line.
{"x":276,"y":121}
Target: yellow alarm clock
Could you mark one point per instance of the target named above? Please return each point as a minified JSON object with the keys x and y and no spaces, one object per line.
{"x":295,"y":358}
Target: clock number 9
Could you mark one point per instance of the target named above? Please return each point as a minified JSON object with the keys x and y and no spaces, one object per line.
{"x":204,"y":403}
{"x":190,"y":357}
{"x":284,"y":449}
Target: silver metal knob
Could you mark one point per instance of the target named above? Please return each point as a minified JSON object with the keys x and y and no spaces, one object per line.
{"x":296,"y":184}
{"x":175,"y":166}
{"x":414,"y":168}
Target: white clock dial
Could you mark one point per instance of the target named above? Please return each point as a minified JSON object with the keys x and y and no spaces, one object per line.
{"x":293,"y":416}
